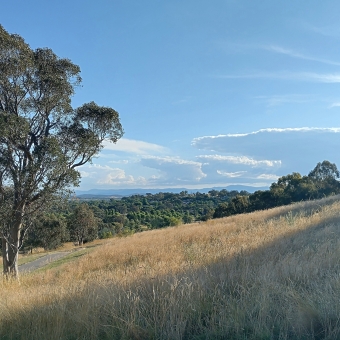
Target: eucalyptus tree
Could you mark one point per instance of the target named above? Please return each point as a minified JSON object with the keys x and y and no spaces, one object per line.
{"x":48,"y":231}
{"x":83,"y":225}
{"x":325,"y":177}
{"x":43,"y":139}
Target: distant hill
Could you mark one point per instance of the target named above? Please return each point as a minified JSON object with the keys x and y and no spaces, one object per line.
{"x":118,"y":193}
{"x":98,"y":197}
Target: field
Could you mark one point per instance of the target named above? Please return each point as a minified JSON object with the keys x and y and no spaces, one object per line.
{"x":266,"y":275}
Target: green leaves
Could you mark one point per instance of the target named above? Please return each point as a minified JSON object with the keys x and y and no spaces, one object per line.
{"x":13,"y":129}
{"x":82,"y":224}
{"x":103,"y":120}
{"x":325,"y":170}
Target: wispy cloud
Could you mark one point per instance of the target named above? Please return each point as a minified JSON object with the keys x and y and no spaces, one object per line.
{"x":231,"y":174}
{"x":268,"y":130}
{"x":274,"y":48}
{"x":328,"y":31}
{"x":337,"y":104}
{"x":296,"y":54}
{"x":240,"y":160}
{"x":249,"y":176}
{"x":134,"y":146}
{"x":121,"y":161}
{"x":286,"y":75}
{"x":269,"y":177}
{"x":276,"y":100}
{"x":182,"y":101}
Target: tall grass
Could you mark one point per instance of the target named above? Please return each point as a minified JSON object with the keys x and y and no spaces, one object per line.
{"x":266,"y":275}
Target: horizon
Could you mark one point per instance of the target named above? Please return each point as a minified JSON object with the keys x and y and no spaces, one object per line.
{"x":209,"y":94}
{"x":142,"y":191}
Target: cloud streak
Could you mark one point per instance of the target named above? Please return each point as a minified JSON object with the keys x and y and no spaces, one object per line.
{"x":134,"y":146}
{"x":276,"y":100}
{"x":337,"y":104}
{"x":328,"y":31}
{"x":268,"y":177}
{"x":298,"y":55}
{"x":277,"y":49}
{"x":240,"y":160}
{"x":231,"y":174}
{"x":269,"y":130}
{"x":329,"y":78}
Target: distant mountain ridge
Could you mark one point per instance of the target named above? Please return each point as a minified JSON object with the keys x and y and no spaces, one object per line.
{"x":106,"y":193}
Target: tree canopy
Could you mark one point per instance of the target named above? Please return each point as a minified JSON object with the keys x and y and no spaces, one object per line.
{"x":82,"y":224}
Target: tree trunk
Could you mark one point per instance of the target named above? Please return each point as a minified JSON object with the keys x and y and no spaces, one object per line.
{"x":4,"y":256}
{"x":10,"y":249}
{"x":10,"y":252}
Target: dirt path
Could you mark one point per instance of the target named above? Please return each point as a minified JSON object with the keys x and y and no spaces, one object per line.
{"x":42,"y":261}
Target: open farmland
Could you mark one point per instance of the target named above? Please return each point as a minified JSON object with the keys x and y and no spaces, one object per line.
{"x":271,"y":274}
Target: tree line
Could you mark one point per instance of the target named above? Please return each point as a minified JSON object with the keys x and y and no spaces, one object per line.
{"x":320,"y":182}
{"x":83,"y":221}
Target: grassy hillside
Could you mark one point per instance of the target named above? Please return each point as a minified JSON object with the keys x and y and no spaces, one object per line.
{"x":266,"y":275}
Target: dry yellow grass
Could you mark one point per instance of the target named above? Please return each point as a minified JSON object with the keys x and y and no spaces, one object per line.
{"x":266,"y":275}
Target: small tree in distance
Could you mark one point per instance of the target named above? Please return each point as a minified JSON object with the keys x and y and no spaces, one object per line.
{"x":325,"y":177}
{"x":325,"y":170}
{"x":48,"y":231}
{"x":82,"y":224}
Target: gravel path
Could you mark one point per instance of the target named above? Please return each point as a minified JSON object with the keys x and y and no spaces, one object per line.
{"x":42,"y":261}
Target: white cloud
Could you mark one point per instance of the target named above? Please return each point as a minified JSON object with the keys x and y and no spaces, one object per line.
{"x":241,"y":167}
{"x":99,"y":167}
{"x":298,"y":149}
{"x":134,"y":146}
{"x":240,"y":160}
{"x":337,"y":104}
{"x":120,"y":161}
{"x":104,"y":175}
{"x":175,"y":169}
{"x":269,"y":177}
{"x":119,"y":177}
{"x":112,"y":176}
{"x":85,"y":174}
{"x":195,"y":141}
{"x":248,"y":176}
{"x":231,"y":174}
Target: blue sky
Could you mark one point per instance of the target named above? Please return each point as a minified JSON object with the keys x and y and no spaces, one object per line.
{"x":210,"y":93}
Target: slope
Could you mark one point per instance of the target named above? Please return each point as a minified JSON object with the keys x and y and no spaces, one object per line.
{"x":267,"y":275}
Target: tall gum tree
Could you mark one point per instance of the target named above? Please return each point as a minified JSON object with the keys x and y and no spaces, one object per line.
{"x":43,"y":140}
